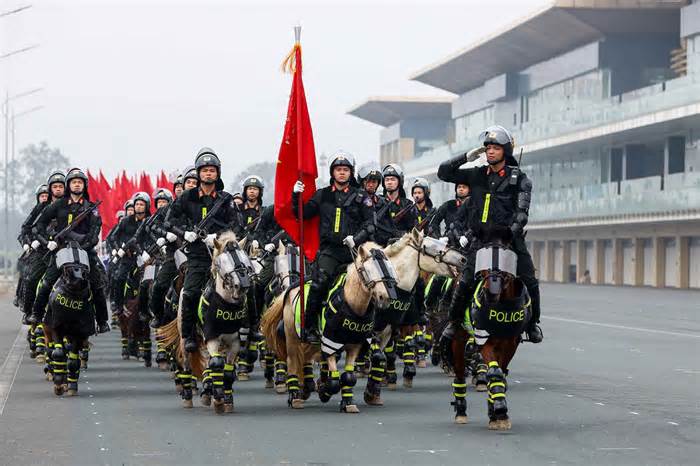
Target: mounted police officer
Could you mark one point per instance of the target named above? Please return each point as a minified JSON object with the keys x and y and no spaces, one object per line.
{"x":345,"y":214}
{"x":370,"y":178}
{"x":420,"y":192}
{"x":453,"y":213}
{"x":500,"y":200}
{"x":163,"y":199}
{"x":28,"y":262}
{"x":195,"y":204}
{"x":86,"y":234}
{"x":128,"y":246}
{"x":401,"y":210}
{"x":251,"y":208}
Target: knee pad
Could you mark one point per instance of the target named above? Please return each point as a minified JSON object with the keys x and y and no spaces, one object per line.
{"x":378,"y":358}
{"x":58,"y":354}
{"x":216,"y":363}
{"x":495,"y":374}
{"x":348,"y":379}
{"x":73,"y":363}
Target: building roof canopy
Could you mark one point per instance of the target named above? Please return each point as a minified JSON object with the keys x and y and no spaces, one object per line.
{"x":386,"y":111}
{"x":548,"y":32}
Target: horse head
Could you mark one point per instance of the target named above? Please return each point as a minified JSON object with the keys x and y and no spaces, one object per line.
{"x":231,"y":268}
{"x":377,"y":274}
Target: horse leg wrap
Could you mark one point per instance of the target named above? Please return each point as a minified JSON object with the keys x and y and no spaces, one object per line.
{"x":58,"y":364}
{"x":185,"y":378}
{"x":292,"y":388}
{"x":73,"y":367}
{"x":419,"y":339}
{"x":161,"y":353}
{"x":428,"y":342}
{"x":252,"y":355}
{"x":31,"y":339}
{"x":269,"y":365}
{"x":133,"y":348}
{"x":309,"y":384}
{"x":229,"y":378}
{"x":480,"y":378}
{"x":84,"y":354}
{"x":147,"y":355}
{"x":125,"y":348}
{"x":399,"y":347}
{"x":48,"y":367}
{"x":347,"y":381}
{"x":378,"y":368}
{"x":497,"y":389}
{"x":334,"y":383}
{"x":280,"y":372}
{"x":243,"y":367}
{"x":390,"y":365}
{"x":40,"y":339}
{"x":216,"y":366}
{"x":459,"y":391}
{"x":409,"y":357}
{"x":207,"y":386}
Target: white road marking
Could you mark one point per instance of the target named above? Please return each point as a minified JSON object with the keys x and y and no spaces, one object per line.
{"x":569,"y":396}
{"x":673,"y":423}
{"x":687,"y":371}
{"x":9,"y":369}
{"x":541,"y":388}
{"x":634,"y":412}
{"x":432,"y":452}
{"x":616,"y":448}
{"x":622,"y":327}
{"x":600,"y":404}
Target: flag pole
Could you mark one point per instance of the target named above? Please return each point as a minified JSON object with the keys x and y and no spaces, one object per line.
{"x":302,"y":255}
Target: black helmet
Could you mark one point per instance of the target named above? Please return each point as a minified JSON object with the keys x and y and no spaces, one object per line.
{"x":127,"y":204}
{"x":393,"y":169}
{"x":206,"y":157}
{"x":162,"y":193}
{"x":497,"y":134}
{"x":56,"y":177}
{"x":253,"y":181}
{"x":369,"y":171}
{"x":179,"y":181}
{"x":41,"y":189}
{"x":142,"y":196}
{"x":77,"y":173}
{"x":421,"y":183}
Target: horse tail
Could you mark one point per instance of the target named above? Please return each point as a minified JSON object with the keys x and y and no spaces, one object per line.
{"x":169,"y":334}
{"x":268,"y":324}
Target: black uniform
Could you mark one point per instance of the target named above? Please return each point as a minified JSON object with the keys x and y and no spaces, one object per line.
{"x":34,"y":264}
{"x":342,"y":213}
{"x":124,"y":238}
{"x":86,"y":234}
{"x":168,"y":269}
{"x":190,"y":209}
{"x":453,"y":213}
{"x":499,"y":200}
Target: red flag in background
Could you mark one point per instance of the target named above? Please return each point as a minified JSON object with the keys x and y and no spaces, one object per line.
{"x":297,"y":161}
{"x":163,"y":181}
{"x":145,"y":184}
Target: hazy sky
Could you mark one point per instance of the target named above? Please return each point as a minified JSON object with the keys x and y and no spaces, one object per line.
{"x":144,"y":84}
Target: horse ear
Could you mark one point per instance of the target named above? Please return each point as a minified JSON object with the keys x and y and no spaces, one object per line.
{"x":217,"y":244}
{"x":417,"y":234}
{"x":363,"y":253}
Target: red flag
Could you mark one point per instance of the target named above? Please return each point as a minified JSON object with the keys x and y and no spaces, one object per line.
{"x":145,"y":184}
{"x":163,"y":181}
{"x":297,"y":161}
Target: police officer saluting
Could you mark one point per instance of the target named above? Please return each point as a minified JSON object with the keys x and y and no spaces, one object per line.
{"x":86,"y":234}
{"x":345,"y":213}
{"x":191,"y":208}
{"x":500,"y":199}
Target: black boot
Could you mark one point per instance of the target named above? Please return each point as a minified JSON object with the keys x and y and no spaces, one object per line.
{"x":534,"y":332}
{"x":188,"y":331}
{"x":103,"y":327}
{"x":311,"y":313}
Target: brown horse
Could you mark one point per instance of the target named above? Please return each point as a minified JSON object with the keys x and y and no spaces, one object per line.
{"x":135,"y":333}
{"x":499,"y":313}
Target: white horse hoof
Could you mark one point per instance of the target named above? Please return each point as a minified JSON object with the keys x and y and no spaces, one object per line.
{"x":461,"y":419}
{"x":351,"y":409}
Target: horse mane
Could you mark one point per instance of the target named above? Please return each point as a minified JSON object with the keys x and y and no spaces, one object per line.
{"x":397,"y":246}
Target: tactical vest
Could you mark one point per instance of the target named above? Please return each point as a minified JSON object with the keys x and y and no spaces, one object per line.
{"x":219,"y":317}
{"x":340,"y":325}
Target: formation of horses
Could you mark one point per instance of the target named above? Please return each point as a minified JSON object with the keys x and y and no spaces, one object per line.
{"x":362,"y":325}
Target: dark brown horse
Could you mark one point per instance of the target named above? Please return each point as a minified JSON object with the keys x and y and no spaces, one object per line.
{"x":497,"y":317}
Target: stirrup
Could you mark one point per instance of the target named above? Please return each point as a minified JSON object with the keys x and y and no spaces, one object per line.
{"x":534,"y":334}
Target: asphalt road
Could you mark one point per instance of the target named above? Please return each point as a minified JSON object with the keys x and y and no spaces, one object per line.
{"x":615,"y":382}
